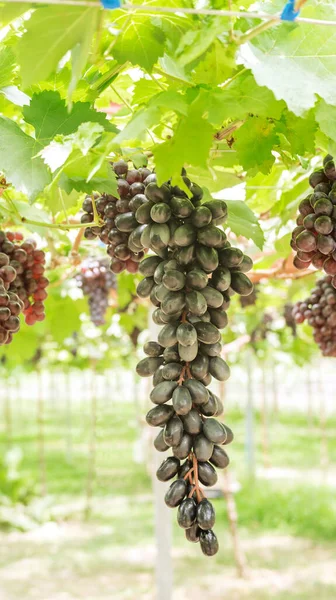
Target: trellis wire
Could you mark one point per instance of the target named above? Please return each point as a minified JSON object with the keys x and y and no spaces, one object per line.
{"x":183,"y":10}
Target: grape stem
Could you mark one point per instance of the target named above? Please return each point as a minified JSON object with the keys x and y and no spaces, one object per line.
{"x":199,"y":493}
{"x":181,"y":378}
{"x":188,"y":475}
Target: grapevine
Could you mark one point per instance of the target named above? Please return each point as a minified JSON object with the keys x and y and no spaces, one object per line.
{"x":319,"y":310}
{"x":314,"y":238}
{"x":189,"y":280}
{"x":96,"y":280}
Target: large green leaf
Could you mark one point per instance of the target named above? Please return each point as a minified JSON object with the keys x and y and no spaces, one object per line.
{"x":299,"y":133}
{"x":51,"y":32}
{"x":143,"y":119}
{"x":326,"y":118}
{"x":254,"y":143}
{"x":296,"y":63}
{"x":241,"y":98}
{"x":18,"y":160}
{"x":48,"y":114}
{"x":63,"y":315}
{"x":243,"y":221}
{"x":140,"y":42}
{"x":190,"y":144}
{"x":75,"y":175}
{"x":195,"y":43}
{"x":216,"y":66}
{"x":9,"y":12}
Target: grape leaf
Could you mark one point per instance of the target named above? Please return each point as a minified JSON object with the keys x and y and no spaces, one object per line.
{"x":195,"y":43}
{"x":300,"y":133}
{"x":215,"y":179}
{"x":48,"y":114}
{"x":173,"y":69}
{"x":254,"y":142}
{"x":21,"y":166}
{"x":144,"y":90}
{"x":244,"y":222}
{"x":9,"y":12}
{"x":171,"y":100}
{"x":215,"y":67}
{"x":140,"y":42}
{"x":75,"y":175}
{"x":296,"y":63}
{"x":326,"y":118}
{"x":55,"y":29}
{"x":70,"y":310}
{"x":286,"y":206}
{"x":142,"y":120}
{"x":80,"y":53}
{"x":58,"y":151}
{"x":243,"y":97}
{"x":190,"y":144}
{"x":7,"y":66}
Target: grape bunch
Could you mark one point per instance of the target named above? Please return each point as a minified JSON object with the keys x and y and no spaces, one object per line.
{"x":96,"y":281}
{"x":251,"y":299}
{"x":118,"y":217}
{"x":319,"y":310}
{"x":10,"y":309}
{"x":190,"y":280}
{"x":30,"y":282}
{"x":289,"y":318}
{"x":314,"y":237}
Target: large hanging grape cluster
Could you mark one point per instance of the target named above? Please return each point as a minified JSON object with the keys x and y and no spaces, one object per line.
{"x":96,"y":280}
{"x":118,"y":216}
{"x":189,"y":280}
{"x":314,"y":238}
{"x":319,"y":310}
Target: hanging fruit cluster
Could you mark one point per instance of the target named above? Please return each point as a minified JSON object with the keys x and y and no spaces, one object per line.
{"x":190,"y":280}
{"x":22,"y":283}
{"x":96,"y":280}
{"x":319,"y":310}
{"x":314,"y":238}
{"x":118,"y":217}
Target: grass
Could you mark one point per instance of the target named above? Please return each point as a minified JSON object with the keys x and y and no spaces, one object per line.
{"x":286,"y":525}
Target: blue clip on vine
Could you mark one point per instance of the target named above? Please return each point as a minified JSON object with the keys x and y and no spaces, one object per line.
{"x":110,"y":4}
{"x":289,"y":13}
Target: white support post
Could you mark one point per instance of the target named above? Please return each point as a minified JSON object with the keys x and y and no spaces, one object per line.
{"x":163,"y":518}
{"x":249,"y":423}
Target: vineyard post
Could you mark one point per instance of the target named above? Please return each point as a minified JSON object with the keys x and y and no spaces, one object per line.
{"x":231,"y":508}
{"x":324,"y":457}
{"x":309,"y":385}
{"x":275,"y":407}
{"x":41,"y":432}
{"x":163,"y":519}
{"x":7,"y":410}
{"x":239,"y":554}
{"x":249,"y":420}
{"x":264,"y":418}
{"x":68,"y":414}
{"x":91,"y":473}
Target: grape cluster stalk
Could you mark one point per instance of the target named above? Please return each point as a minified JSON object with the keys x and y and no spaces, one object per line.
{"x":319,"y":310}
{"x":96,"y":280}
{"x":189,"y":279}
{"x":118,"y":217}
{"x":314,"y":237}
